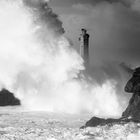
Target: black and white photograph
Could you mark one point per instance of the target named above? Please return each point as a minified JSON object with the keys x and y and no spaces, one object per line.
{"x":69,"y":69}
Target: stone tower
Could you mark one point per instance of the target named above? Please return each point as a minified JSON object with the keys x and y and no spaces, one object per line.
{"x":84,"y":46}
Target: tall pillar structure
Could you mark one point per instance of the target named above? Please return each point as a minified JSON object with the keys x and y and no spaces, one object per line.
{"x":84,"y":45}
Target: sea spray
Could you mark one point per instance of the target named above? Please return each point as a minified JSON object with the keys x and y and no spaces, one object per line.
{"x":38,"y":64}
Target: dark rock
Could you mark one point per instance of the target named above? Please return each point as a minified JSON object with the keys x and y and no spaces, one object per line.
{"x":95,"y":121}
{"x":133,"y":109}
{"x":133,"y":85}
{"x":8,"y":99}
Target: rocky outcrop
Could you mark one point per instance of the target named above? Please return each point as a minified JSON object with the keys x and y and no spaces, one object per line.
{"x":95,"y":121}
{"x":132,"y":112}
{"x":8,"y":99}
{"x":133,"y":86}
{"x":133,"y":109}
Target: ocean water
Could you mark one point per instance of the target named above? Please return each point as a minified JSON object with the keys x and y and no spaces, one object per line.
{"x":16,"y":124}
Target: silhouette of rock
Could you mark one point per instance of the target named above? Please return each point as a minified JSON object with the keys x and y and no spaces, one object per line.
{"x":133,"y":109}
{"x":95,"y":121}
{"x":133,"y":85}
{"x":8,"y":99}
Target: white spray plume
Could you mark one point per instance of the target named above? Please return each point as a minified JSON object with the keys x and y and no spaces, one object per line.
{"x":41,"y":68}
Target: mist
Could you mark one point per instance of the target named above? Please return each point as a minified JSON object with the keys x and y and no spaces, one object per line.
{"x":114,"y":31}
{"x":113,"y":27}
{"x":40,"y":66}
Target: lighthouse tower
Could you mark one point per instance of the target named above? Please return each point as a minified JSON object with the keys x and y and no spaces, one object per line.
{"x":84,"y":46}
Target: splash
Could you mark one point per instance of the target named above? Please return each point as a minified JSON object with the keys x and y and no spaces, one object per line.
{"x":38,"y":64}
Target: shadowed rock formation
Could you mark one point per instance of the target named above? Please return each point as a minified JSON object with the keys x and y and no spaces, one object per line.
{"x":8,"y":99}
{"x":133,"y":86}
{"x":95,"y":121}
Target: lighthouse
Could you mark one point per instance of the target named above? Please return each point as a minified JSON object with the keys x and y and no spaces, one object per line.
{"x":84,"y":46}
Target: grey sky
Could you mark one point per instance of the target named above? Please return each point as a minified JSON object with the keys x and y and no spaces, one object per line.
{"x":114,"y":26}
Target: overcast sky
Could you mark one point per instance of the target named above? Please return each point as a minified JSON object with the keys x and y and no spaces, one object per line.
{"x":113,"y":25}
